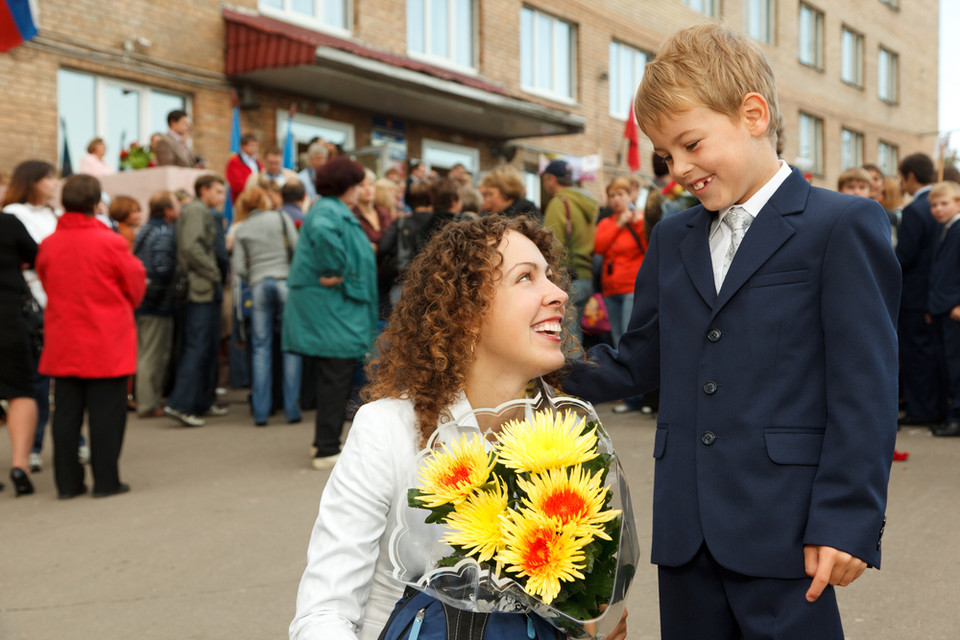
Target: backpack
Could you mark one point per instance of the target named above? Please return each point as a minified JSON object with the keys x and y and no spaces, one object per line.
{"x":418,"y":616}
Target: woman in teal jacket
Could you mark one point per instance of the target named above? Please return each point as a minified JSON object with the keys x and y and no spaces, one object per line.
{"x":331,"y":312}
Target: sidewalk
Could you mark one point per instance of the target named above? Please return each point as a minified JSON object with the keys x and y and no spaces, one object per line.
{"x":211,"y":541}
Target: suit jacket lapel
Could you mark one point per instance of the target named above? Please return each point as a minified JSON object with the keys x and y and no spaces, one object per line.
{"x":695,"y":255}
{"x":765,"y":236}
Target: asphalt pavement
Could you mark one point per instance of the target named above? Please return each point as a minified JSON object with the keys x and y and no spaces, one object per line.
{"x":211,"y":541}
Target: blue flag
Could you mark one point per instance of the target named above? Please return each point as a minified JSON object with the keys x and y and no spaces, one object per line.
{"x":234,"y":148}
{"x":290,"y":146}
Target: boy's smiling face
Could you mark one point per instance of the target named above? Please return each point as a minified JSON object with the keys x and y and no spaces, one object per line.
{"x":944,"y":208}
{"x":719,"y":159}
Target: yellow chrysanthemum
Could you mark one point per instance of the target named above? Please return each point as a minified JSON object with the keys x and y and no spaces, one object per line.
{"x":536,"y":547}
{"x":456,"y":471}
{"x":575,"y":498}
{"x":548,"y":441}
{"x":475,"y":523}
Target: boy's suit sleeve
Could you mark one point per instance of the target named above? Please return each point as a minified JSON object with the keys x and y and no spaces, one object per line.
{"x":860,"y":294}
{"x":607,"y":374}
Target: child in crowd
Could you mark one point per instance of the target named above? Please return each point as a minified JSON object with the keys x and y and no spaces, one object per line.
{"x":944,"y":299}
{"x":855,"y":181}
{"x":778,"y":404}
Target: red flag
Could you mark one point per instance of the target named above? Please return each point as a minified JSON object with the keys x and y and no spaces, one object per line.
{"x":630,"y":133}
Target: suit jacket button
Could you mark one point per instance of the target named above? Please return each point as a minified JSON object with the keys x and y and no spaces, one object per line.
{"x":708,"y":438}
{"x":714,"y":335}
{"x":710,"y":388}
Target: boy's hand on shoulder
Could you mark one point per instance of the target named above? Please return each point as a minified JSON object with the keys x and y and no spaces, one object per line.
{"x":827,"y":565}
{"x":955,"y":314}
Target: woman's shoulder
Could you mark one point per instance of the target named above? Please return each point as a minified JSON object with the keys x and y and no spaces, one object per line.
{"x":387,"y":424}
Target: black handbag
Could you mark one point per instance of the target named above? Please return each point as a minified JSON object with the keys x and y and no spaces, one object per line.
{"x":32,"y":314}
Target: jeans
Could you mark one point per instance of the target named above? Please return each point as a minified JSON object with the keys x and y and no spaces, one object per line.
{"x":269,"y":297}
{"x":619,"y":307}
{"x":194,"y":390}
{"x":582,"y":289}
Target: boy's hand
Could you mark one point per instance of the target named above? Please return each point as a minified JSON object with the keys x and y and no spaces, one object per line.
{"x":827,"y":565}
{"x":955,"y":314}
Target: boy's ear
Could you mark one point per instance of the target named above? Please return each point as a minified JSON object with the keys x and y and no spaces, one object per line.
{"x":755,"y":113}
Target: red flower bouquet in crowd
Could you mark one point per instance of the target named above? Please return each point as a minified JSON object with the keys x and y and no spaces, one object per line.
{"x":136,"y":157}
{"x":532,"y":515}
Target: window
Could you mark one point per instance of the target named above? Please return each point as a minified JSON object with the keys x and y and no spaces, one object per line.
{"x":547,"y":55}
{"x":326,"y":14}
{"x":531,"y":182}
{"x":887,"y":158}
{"x":120,"y":112}
{"x":851,"y":149}
{"x":442,"y":30}
{"x":851,"y":66}
{"x":444,"y":155}
{"x":887,"y":71}
{"x":706,"y":7}
{"x":306,"y":128}
{"x":626,"y":70}
{"x":758,"y":18}
{"x":810,"y":37}
{"x":810,"y":143}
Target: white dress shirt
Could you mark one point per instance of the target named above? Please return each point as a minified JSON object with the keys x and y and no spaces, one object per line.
{"x":720,"y":234}
{"x":348,"y":590}
{"x":40,"y":222}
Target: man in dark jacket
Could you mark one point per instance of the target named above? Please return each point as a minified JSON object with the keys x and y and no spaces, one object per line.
{"x":156,"y":246}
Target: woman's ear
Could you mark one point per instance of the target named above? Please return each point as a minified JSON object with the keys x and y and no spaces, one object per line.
{"x":755,"y":114}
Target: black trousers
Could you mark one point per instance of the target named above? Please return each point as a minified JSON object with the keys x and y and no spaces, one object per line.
{"x":701,"y":600}
{"x":334,"y":378}
{"x":922,"y":384}
{"x":105,"y":400}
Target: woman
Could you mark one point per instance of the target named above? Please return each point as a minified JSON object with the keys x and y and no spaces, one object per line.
{"x":620,"y":240}
{"x":374,"y":220}
{"x":92,"y":164}
{"x":17,"y":366}
{"x":262,"y":250}
{"x":480,"y":317}
{"x":331,"y":312}
{"x":32,"y":186}
{"x":385,"y":196}
{"x":93,"y":283}
{"x":125,"y":211}
{"x":503,"y":192}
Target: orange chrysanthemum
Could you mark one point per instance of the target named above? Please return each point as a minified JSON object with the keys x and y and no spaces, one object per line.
{"x":456,"y":471}
{"x":537,"y":548}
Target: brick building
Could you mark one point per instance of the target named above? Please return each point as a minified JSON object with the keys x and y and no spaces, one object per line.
{"x":475,"y":81}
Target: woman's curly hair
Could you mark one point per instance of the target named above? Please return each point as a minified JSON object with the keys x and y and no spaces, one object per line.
{"x":426,"y":350}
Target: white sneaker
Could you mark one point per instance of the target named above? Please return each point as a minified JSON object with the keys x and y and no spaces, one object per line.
{"x":326,"y":462}
{"x":186,"y":419}
{"x":83,"y":454}
{"x":36,"y":462}
{"x":216,"y":411}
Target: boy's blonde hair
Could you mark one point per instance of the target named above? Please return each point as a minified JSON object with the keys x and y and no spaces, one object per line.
{"x":854,"y":174}
{"x":947,"y":188}
{"x":706,"y":65}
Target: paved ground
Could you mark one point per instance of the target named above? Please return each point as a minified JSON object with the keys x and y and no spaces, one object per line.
{"x":211,"y":541}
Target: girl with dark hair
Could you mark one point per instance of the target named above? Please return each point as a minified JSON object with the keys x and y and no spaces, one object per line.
{"x":480,"y":316}
{"x":32,"y":187}
{"x":330,"y":316}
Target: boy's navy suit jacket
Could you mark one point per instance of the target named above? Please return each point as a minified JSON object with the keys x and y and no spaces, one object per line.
{"x":945,"y":272}
{"x":778,"y":396}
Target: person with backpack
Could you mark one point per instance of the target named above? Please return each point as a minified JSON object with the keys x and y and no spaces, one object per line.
{"x":156,"y":247}
{"x":480,"y":316}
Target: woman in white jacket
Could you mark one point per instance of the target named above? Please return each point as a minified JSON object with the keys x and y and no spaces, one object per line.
{"x":480,"y":316}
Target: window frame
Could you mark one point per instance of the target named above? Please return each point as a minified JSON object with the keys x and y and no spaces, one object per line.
{"x":768,"y":14}
{"x":100,"y":120}
{"x":709,"y":8}
{"x":857,"y":63}
{"x":889,"y":166}
{"x":446,"y":61}
{"x":851,"y":141}
{"x":571,"y":54}
{"x":429,"y":144}
{"x":287,"y":14}
{"x":815,"y":166}
{"x":817,"y":34}
{"x":618,"y":107}
{"x":892,"y":75}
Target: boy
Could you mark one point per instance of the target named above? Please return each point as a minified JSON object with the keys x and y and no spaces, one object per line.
{"x":855,"y":181}
{"x":944,"y":299}
{"x":776,"y":360}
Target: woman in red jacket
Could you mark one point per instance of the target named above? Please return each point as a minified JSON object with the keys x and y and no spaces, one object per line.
{"x":621,"y":242}
{"x":93,"y":284}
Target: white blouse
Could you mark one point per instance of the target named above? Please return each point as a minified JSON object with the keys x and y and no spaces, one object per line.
{"x":348,"y":591}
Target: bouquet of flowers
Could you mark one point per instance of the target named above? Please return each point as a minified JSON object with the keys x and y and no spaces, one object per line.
{"x":533,"y":514}
{"x":681,"y":196}
{"x":136,"y":157}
